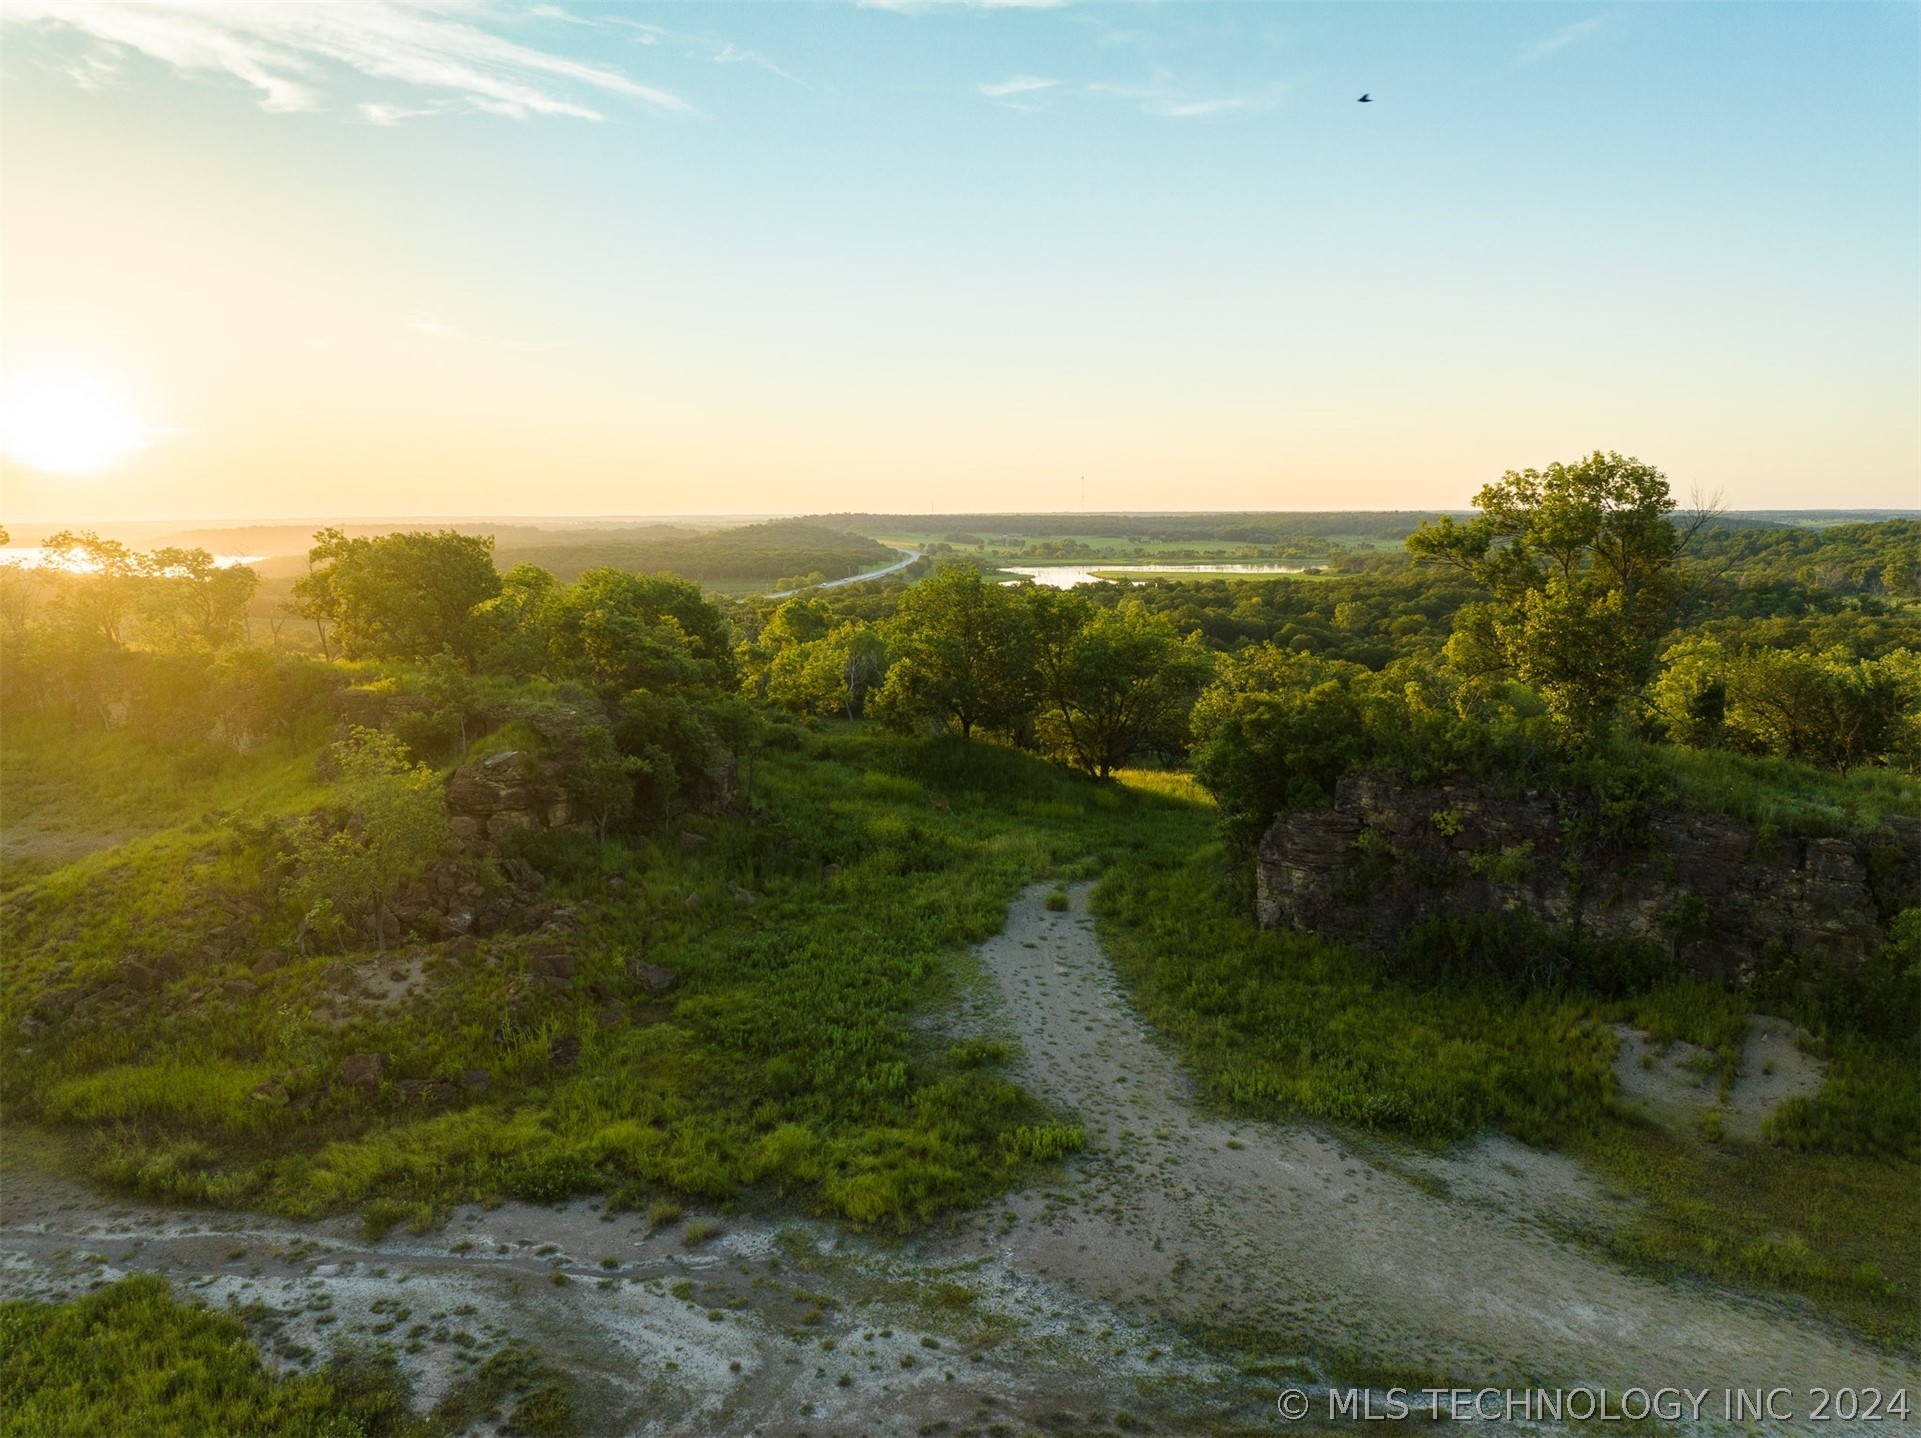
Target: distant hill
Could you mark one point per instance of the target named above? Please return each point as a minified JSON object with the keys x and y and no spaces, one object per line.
{"x":776,"y":550}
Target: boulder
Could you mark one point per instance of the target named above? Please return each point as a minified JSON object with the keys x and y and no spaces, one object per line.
{"x":272,"y":1091}
{"x":692,"y":843}
{"x":362,"y":1071}
{"x":476,"y":1080}
{"x":269,"y":961}
{"x":429,"y":1091}
{"x":564,"y":1052}
{"x":741,"y":896}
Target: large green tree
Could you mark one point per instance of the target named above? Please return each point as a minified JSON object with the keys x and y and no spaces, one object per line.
{"x":1579,"y":560}
{"x":963,"y":655}
{"x":637,"y":631}
{"x":1114,"y":683}
{"x":399,"y":596}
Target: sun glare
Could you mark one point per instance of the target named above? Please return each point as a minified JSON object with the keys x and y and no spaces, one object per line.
{"x":67,"y":423}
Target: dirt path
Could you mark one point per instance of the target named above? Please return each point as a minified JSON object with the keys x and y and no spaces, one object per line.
{"x":1297,"y":1232}
{"x":1065,"y":1307}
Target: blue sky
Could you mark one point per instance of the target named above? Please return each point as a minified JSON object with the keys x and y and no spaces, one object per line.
{"x":461,"y":257}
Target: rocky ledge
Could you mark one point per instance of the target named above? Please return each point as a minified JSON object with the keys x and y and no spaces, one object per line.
{"x":1725,"y":897}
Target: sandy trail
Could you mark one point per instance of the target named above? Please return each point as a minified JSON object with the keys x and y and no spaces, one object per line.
{"x":1064,"y":1307}
{"x":1296,"y":1232}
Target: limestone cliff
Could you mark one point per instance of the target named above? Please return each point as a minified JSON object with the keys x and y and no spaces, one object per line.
{"x":1723,"y":896}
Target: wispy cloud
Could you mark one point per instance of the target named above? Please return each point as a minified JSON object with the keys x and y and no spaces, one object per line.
{"x":1018,"y":85}
{"x":1567,"y":35}
{"x":1175,"y":102}
{"x":731,"y":54}
{"x":289,"y":52}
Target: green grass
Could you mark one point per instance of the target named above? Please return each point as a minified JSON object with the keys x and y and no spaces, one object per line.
{"x":68,"y":792}
{"x":1788,"y":796}
{"x":784,"y":1062}
{"x":1279,"y":1025}
{"x":130,"y":1359}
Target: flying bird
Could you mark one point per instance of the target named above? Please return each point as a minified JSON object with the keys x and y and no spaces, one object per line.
{"x":1367,"y":99}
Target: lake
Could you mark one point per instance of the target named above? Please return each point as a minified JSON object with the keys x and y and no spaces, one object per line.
{"x":1067,"y":576}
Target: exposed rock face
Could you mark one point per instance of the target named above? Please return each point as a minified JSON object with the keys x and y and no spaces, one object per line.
{"x":504,"y":794}
{"x":1721,"y":895}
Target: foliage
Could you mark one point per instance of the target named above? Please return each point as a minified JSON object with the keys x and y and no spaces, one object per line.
{"x":785,"y":1058}
{"x":399,"y":596}
{"x":623,"y":631}
{"x":129,"y":1358}
{"x":349,"y":866}
{"x":963,"y":654}
{"x":1114,"y":683}
{"x":1579,"y":560}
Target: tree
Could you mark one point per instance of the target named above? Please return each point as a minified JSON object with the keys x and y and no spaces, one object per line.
{"x":963,"y":655}
{"x":830,"y":675}
{"x":400,"y":596}
{"x":1830,"y":709}
{"x":513,"y":624}
{"x":1690,"y":697}
{"x":638,"y":631}
{"x":391,"y":823}
{"x":601,"y":779}
{"x":1275,"y":731}
{"x":1113,"y":682}
{"x":192,"y":601}
{"x":99,"y":589}
{"x":1579,"y":559}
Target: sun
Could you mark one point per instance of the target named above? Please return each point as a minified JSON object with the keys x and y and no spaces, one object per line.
{"x":67,"y":423}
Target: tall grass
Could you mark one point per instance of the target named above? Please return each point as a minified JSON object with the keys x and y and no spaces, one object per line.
{"x":785,"y":1059}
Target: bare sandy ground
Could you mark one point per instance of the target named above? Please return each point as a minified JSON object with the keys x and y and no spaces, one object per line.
{"x":1066,"y":1307}
{"x":1301,"y":1232}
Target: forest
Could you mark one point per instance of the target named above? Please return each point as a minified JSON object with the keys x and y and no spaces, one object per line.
{"x":781,"y":822}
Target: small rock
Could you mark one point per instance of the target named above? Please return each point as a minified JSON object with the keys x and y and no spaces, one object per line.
{"x":464,"y":947}
{"x":476,"y":1080}
{"x":564,"y":1052}
{"x":269,"y":961}
{"x":651,"y":977}
{"x":270,"y":1092}
{"x":111,"y":994}
{"x":434,"y":1091}
{"x":31,"y":1024}
{"x":693,"y":902}
{"x":137,"y":976}
{"x":690,"y":842}
{"x":552,"y":964}
{"x":830,"y":871}
{"x":740,"y":895}
{"x":610,"y":1016}
{"x":362,"y":1071}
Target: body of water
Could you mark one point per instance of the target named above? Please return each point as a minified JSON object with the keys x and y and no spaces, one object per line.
{"x":32,"y":556}
{"x":1067,"y":576}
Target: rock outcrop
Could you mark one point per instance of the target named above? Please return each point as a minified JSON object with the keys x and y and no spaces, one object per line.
{"x":1723,"y":896}
{"x":503,"y":794}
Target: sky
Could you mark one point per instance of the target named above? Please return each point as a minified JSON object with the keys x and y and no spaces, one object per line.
{"x":470,"y":257}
